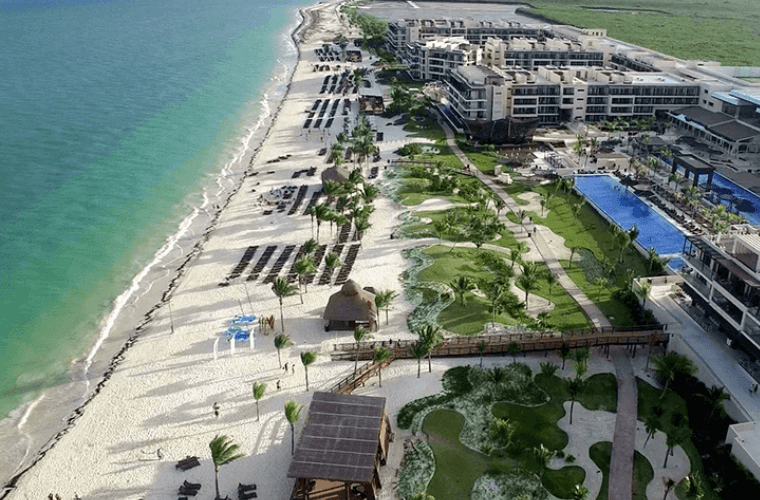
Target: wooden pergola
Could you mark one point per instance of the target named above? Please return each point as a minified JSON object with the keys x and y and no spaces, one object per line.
{"x":342,"y":445}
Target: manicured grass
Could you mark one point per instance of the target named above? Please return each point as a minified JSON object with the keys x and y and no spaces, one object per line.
{"x":600,"y":393}
{"x":536,"y":426}
{"x":471,"y":318}
{"x":561,"y":483}
{"x":725,"y":31}
{"x":456,"y":466}
{"x":590,"y":231}
{"x":413,"y":191}
{"x":643,"y":473}
{"x":671,"y":404}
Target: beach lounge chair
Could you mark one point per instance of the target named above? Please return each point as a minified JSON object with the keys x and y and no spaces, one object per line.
{"x":187,"y":463}
{"x":246,"y":487}
{"x":191,"y":486}
{"x":187,"y":491}
{"x":247,"y":496}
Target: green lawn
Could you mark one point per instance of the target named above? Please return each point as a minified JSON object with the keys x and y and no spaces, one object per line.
{"x":643,"y":473}
{"x":591,"y":232}
{"x":471,"y":318}
{"x":725,"y":30}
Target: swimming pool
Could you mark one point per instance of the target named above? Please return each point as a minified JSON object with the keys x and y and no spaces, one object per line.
{"x":732,"y":195}
{"x":626,"y":209}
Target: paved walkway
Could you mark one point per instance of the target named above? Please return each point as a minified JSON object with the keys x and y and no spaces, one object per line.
{"x":624,"y":439}
{"x":538,"y":240}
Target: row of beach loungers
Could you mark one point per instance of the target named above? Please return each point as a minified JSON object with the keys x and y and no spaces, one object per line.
{"x":309,"y":172}
{"x":188,"y":489}
{"x":279,"y":264}
{"x":321,"y":110}
{"x":345,"y":271}
{"x":327,"y":55}
{"x":327,"y":273}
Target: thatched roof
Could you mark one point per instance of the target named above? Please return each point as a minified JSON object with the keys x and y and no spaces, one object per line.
{"x":336,"y":173}
{"x":351,"y":303}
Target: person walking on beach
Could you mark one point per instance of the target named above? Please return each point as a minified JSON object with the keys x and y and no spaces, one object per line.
{"x":216,"y":409}
{"x":278,"y":385}
{"x":286,"y":368}
{"x":293,"y":368}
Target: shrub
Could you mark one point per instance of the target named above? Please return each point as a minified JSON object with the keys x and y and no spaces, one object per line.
{"x":570,"y":459}
{"x":456,"y":381}
{"x":408,"y":411}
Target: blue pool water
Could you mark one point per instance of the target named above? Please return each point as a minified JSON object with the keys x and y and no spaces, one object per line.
{"x":732,"y":195}
{"x":625,"y":208}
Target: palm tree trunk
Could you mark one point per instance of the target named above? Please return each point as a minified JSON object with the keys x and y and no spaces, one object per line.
{"x":667,"y":454}
{"x":430,"y":363}
{"x":258,"y":416}
{"x":645,"y":442}
{"x":665,"y":389}
{"x":306,"y":372}
{"x":279,"y":360}
{"x":380,"y":375}
{"x":356,"y":361}
{"x":572,"y":405}
{"x":216,"y":479}
{"x":292,"y":442}
{"x":386,"y":315}
{"x":282,"y":317}
{"x":419,"y":366}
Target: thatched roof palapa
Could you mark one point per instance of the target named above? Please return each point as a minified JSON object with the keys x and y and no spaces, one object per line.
{"x":351,"y":303}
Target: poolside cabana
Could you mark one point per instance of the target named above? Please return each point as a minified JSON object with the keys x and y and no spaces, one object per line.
{"x":343,"y":443}
{"x":695,"y":167}
{"x":351,"y":308}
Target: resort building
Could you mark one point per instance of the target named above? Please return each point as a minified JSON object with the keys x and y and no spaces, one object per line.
{"x":553,"y":95}
{"x":405,"y":32}
{"x":531,"y":54}
{"x":434,"y":59}
{"x":722,"y":277}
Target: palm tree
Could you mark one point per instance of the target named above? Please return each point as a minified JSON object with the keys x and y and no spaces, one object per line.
{"x":573,"y":251}
{"x":513,"y":349}
{"x":676,"y":437}
{"x":528,"y":280}
{"x":383,"y":300}
{"x":380,"y":356}
{"x":332,"y":261}
{"x":652,"y":425}
{"x":331,"y":188}
{"x":282,"y":288}
{"x":564,"y":353}
{"x":694,"y":486}
{"x":293,"y":415}
{"x":461,"y":286}
{"x":600,"y":283}
{"x":440,"y":227}
{"x":624,"y":240}
{"x":542,"y":320}
{"x":521,"y":214}
{"x":307,"y":358}
{"x":361,"y":225}
{"x":481,"y":347}
{"x":304,"y":267}
{"x":670,"y":365}
{"x":693,"y":197}
{"x":321,"y":212}
{"x":258,"y":393}
{"x":430,"y":335}
{"x":574,"y":389}
{"x":577,"y":209}
{"x":360,"y":334}
{"x":633,"y":233}
{"x":669,"y":484}
{"x":502,"y":431}
{"x":715,"y":398}
{"x":420,"y":350}
{"x":310,"y":246}
{"x":652,"y":258}
{"x":580,"y":492}
{"x":543,"y":456}
{"x":223,"y":452}
{"x":643,"y":292}
{"x":281,"y":342}
{"x":581,"y":368}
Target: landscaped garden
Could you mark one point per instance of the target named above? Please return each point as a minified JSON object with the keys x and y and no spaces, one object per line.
{"x":492,"y":433}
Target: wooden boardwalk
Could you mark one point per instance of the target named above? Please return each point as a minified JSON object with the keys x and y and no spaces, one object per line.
{"x":497,"y":344}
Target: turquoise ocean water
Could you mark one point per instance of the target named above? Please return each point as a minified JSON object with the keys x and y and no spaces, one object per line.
{"x":115,"y":118}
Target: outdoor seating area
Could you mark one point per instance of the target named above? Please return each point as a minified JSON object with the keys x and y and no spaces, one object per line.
{"x":187,"y":463}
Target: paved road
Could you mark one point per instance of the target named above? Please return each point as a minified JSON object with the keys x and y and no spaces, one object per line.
{"x":552,"y":262}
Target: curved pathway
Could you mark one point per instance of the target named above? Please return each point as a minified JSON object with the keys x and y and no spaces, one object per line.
{"x":538,"y":240}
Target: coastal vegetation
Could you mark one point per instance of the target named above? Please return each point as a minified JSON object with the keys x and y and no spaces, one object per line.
{"x":497,"y":423}
{"x":725,"y":31}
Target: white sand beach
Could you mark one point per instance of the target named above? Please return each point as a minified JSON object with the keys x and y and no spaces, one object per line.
{"x":160,"y":397}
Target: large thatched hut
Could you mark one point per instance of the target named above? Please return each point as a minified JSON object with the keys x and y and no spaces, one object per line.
{"x":350,"y":308}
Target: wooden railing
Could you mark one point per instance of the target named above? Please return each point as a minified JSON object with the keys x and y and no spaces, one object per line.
{"x":528,"y":342}
{"x":360,"y":376}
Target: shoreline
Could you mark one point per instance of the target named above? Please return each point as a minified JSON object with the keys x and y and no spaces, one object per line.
{"x":95,"y":367}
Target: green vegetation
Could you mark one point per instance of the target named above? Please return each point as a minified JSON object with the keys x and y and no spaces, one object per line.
{"x":726,"y":31}
{"x":643,"y":473}
{"x":516,"y":435}
{"x":449,"y":264}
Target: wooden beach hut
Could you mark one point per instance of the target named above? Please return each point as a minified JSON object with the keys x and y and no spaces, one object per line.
{"x":343,"y":443}
{"x":351,"y":308}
